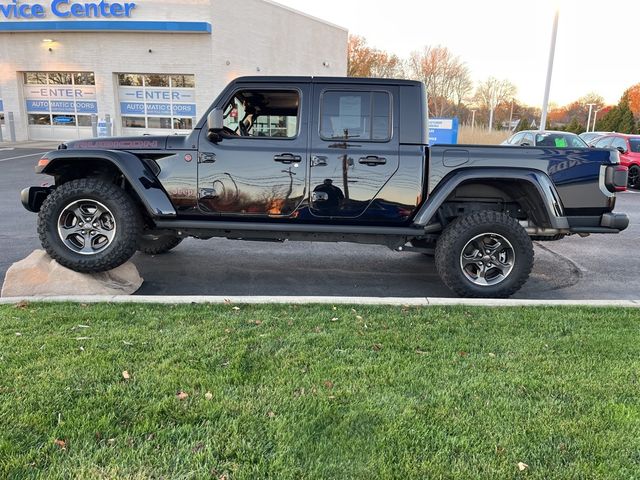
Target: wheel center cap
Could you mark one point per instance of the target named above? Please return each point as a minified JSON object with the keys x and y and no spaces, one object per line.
{"x":486,"y":258}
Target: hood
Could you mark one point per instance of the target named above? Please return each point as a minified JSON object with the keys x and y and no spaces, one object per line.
{"x":145,"y":142}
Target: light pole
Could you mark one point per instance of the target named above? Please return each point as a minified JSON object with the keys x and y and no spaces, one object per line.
{"x":547,"y":88}
{"x":590,"y":105}
{"x":473,"y":119}
{"x":595,"y":117}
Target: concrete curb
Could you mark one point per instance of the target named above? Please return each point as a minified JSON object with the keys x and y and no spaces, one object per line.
{"x":391,"y":301}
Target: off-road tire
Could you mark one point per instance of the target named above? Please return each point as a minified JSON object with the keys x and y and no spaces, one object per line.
{"x":125,"y":213}
{"x":460,"y":232}
{"x":158,"y":245}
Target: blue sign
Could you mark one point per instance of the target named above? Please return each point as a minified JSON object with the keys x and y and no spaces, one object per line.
{"x":61,"y":119}
{"x":1,"y":106}
{"x":86,"y":107}
{"x":443,"y":131}
{"x":159,"y":94}
{"x":131,"y":108}
{"x":66,"y":9}
{"x":158,"y":109}
{"x":64,"y":106}
{"x":37,"y":105}
{"x":184,"y":109}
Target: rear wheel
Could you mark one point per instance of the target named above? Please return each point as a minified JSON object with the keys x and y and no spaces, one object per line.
{"x":89,"y":225}
{"x":158,"y":244}
{"x":485,"y":254}
{"x":634,"y":177}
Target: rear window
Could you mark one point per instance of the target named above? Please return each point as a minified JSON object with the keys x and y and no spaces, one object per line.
{"x":634,"y":143}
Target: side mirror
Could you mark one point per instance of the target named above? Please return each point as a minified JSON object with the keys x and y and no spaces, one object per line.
{"x":621,"y":149}
{"x":215,"y":124}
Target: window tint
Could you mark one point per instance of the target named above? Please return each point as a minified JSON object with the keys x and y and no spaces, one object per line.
{"x":559,"y":140}
{"x":516,"y":139}
{"x":635,"y":145}
{"x":361,"y":115}
{"x":528,"y":138}
{"x":619,"y":142}
{"x":263,"y":113}
{"x":603,"y":142}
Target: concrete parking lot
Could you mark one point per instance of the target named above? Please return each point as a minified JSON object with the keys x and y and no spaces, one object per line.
{"x":598,"y":267}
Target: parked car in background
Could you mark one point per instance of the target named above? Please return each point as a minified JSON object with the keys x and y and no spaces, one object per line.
{"x":593,"y":136}
{"x":629,"y":148}
{"x":545,"y":138}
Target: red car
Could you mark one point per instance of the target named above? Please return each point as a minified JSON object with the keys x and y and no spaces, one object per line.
{"x":629,"y":148}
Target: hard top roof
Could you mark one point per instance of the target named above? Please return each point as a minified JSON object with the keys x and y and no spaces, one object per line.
{"x":340,"y":80}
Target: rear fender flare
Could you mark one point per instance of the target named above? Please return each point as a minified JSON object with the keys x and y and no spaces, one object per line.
{"x":144,"y":183}
{"x":546,"y":196}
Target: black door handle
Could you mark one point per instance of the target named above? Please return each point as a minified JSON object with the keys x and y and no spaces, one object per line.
{"x":206,"y":157}
{"x":287,"y":158}
{"x":372,"y":160}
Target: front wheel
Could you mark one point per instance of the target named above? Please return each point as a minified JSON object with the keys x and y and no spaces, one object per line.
{"x":485,"y":254}
{"x":89,"y":225}
{"x":634,"y":177}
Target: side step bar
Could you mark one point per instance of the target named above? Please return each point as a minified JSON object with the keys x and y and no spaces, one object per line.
{"x":213,"y":225}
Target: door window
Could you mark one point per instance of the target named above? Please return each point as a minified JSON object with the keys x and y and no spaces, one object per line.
{"x":603,"y":142}
{"x":515,"y":140}
{"x":362,"y":115}
{"x":619,"y":142}
{"x":263,"y":114}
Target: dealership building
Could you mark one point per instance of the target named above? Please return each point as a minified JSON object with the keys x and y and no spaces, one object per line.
{"x":151,"y":66}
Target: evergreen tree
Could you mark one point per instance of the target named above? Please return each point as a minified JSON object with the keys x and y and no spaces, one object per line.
{"x":574,"y":126}
{"x":524,"y":124}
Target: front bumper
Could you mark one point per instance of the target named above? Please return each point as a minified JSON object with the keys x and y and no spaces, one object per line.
{"x":32,"y":198}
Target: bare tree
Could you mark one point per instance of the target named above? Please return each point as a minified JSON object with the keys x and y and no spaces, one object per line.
{"x":365,"y":61}
{"x":491,"y":93}
{"x":446,"y":77}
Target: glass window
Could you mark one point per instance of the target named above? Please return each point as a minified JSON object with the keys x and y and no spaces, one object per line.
{"x":183,"y":81}
{"x":153,"y":80}
{"x":35,"y":78}
{"x":60,"y":78}
{"x":39,"y":119}
{"x":559,"y":140}
{"x":361,"y":115}
{"x":263,"y":113}
{"x":516,"y":139}
{"x":84,"y":78}
{"x":603,"y":142}
{"x":129,"y":80}
{"x":133,"y":122}
{"x":635,"y":144}
{"x":528,"y":138}
{"x":183,"y":123}
{"x":619,"y":142}
{"x":158,"y":122}
{"x":64,"y":120}
{"x":84,"y":120}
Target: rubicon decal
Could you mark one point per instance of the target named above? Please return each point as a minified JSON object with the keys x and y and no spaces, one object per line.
{"x":66,"y":9}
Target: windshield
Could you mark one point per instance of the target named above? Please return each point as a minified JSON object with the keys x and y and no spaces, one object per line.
{"x":559,"y":140}
{"x":635,"y":144}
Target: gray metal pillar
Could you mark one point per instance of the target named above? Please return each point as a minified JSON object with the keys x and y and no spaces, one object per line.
{"x":107,"y":119}
{"x":94,"y":125}
{"x":12,"y":126}
{"x":1,"y":139}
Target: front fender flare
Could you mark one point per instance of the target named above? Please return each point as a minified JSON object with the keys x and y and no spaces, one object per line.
{"x":144,"y":183}
{"x":547,"y":195}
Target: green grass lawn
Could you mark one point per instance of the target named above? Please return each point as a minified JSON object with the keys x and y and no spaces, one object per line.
{"x":318,"y":392}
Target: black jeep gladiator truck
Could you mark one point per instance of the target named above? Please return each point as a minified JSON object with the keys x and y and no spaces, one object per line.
{"x":331,"y":160}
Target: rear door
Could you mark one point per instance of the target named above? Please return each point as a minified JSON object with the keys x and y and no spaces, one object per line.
{"x":354,"y":148}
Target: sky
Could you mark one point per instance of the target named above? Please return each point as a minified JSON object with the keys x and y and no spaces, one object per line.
{"x":598,"y":43}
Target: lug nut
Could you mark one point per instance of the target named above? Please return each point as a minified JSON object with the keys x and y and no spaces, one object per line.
{"x":93,"y":232}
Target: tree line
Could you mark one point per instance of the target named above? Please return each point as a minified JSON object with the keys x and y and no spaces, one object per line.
{"x":492,"y":103}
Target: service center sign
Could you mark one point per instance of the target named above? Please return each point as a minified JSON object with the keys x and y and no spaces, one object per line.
{"x":65,"y":9}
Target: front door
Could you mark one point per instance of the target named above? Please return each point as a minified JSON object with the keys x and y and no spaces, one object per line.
{"x":259,"y":166}
{"x":354,"y":149}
